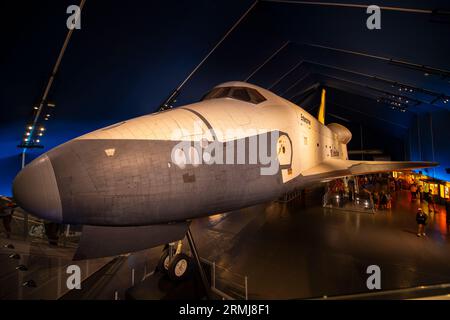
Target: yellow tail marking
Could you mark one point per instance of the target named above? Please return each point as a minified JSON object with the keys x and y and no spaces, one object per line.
{"x":321,"y":114}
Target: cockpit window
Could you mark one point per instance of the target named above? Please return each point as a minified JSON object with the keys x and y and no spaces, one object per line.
{"x":239,"y":93}
{"x":255,"y":96}
{"x":217,"y":93}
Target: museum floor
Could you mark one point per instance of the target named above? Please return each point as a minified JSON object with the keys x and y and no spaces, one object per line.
{"x":289,"y":252}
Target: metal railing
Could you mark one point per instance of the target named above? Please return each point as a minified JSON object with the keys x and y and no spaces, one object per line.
{"x":226,"y":283}
{"x":435,"y":291}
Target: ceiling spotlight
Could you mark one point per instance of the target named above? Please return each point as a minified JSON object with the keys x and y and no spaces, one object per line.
{"x":30,"y":127}
{"x":42,"y":129}
{"x":40,"y":134}
{"x":35,"y":108}
{"x":27,"y":133}
{"x":38,"y":140}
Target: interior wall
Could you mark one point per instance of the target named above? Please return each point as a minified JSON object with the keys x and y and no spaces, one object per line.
{"x":392,"y":147}
{"x":428,"y":139}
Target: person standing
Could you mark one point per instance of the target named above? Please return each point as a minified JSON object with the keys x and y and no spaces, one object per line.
{"x":430,"y":202}
{"x":6,"y":213}
{"x":447,"y":213}
{"x":420,"y":193}
{"x":421,"y":219}
{"x":389,"y":201}
{"x":351,"y":189}
{"x":413,"y":190}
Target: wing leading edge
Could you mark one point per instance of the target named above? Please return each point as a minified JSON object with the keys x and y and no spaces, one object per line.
{"x":337,"y":168}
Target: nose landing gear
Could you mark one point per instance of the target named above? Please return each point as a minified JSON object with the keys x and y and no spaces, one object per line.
{"x":172,"y":261}
{"x":178,"y":265}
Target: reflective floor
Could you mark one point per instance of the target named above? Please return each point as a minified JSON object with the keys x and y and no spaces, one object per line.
{"x":286,"y":251}
{"x":292,"y":252}
{"x":34,"y":270}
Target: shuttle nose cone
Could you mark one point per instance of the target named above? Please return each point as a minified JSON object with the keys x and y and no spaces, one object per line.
{"x":35,"y":190}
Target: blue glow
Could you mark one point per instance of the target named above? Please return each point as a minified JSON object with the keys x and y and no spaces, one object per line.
{"x":10,"y":161}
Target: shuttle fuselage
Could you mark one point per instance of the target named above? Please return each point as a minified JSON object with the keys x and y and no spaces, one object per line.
{"x":240,"y":146}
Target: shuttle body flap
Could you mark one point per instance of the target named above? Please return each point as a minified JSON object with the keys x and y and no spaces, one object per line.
{"x":104,"y":241}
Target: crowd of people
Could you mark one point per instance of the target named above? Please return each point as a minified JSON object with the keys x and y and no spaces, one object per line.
{"x":426,"y":200}
{"x":377,"y":188}
{"x":422,"y":197}
{"x":378,"y":192}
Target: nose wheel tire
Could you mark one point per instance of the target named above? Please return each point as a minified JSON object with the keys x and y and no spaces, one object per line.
{"x":164,"y":261}
{"x":179,"y":267}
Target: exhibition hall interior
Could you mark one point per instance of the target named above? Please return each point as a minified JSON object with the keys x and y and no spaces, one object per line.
{"x":225,"y":150}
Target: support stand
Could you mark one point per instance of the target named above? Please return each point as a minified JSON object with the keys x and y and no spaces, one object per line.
{"x":197,"y":260}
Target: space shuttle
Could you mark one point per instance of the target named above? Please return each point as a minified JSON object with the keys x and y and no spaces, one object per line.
{"x":138,"y":183}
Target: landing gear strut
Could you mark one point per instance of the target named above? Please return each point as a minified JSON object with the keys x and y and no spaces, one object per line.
{"x":178,"y":265}
{"x":197,"y":260}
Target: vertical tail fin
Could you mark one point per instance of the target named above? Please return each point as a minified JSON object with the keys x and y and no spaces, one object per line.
{"x":321,"y":114}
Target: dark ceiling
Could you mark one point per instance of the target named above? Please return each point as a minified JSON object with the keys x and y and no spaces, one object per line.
{"x":129,"y":56}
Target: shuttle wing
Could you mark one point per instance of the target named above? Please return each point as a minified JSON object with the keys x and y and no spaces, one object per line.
{"x":337,"y":168}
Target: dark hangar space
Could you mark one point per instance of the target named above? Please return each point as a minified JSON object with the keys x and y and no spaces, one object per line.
{"x":389,"y":85}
